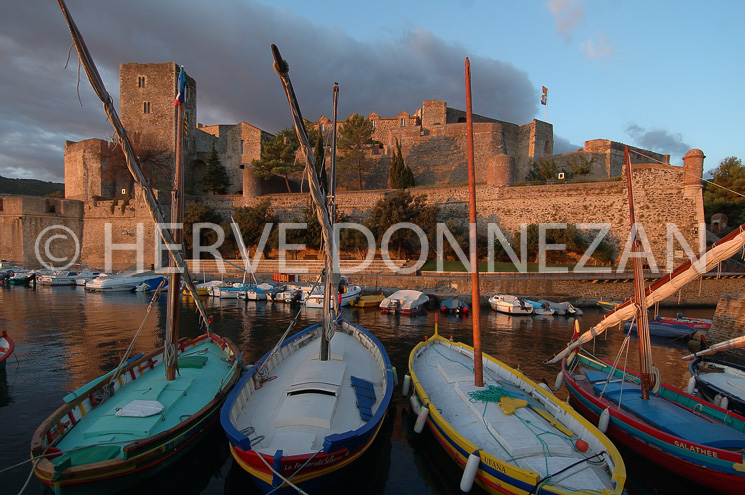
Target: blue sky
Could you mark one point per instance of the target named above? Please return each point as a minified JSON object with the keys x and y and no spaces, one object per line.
{"x":662,"y":75}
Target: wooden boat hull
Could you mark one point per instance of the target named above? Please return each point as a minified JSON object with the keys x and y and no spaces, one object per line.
{"x":718,"y":469}
{"x":6,"y":348}
{"x":140,"y":456}
{"x":733,"y":388}
{"x":311,"y":470}
{"x":494,"y":474}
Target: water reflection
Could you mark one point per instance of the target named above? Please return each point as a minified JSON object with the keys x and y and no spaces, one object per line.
{"x":65,"y":337}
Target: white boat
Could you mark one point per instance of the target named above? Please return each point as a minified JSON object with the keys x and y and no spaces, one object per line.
{"x":504,"y":431}
{"x":511,"y":305}
{"x":120,"y":282}
{"x":69,"y":277}
{"x":315,"y":300}
{"x":261,"y":292}
{"x":405,"y":302}
{"x":317,"y":400}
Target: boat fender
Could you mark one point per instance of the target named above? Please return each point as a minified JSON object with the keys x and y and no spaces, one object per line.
{"x":657,"y":380}
{"x":545,"y":387}
{"x":414,"y":404}
{"x":724,"y":402}
{"x":395,"y":377}
{"x":581,"y":445}
{"x":421,"y":419}
{"x":604,"y":420}
{"x":469,"y":472}
{"x":559,"y":381}
{"x":407,"y":385}
{"x":691,"y":387}
{"x":718,"y":400}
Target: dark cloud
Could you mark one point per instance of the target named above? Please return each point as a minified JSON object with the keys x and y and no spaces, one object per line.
{"x":225,"y":47}
{"x":658,"y":140}
{"x":562,"y":145}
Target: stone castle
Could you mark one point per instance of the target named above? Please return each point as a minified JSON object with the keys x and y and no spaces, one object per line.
{"x":433,"y":142}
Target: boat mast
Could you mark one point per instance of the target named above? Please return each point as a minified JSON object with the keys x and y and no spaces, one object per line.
{"x":177,"y":218}
{"x":642,"y":323}
{"x":478,"y":371}
{"x":329,"y":265}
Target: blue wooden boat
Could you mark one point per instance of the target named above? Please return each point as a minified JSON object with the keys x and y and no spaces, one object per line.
{"x":672,"y":328}
{"x":315,"y":403}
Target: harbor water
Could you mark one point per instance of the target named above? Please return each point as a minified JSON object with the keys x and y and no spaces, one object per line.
{"x":66,"y":337}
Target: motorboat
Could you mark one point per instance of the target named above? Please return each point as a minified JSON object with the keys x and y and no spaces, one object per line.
{"x":367,"y":301}
{"x":563,"y":308}
{"x":541,"y":308}
{"x":315,"y":299}
{"x":120,"y":282}
{"x":69,"y":277}
{"x":509,"y":304}
{"x":405,"y":302}
{"x":454,"y":306}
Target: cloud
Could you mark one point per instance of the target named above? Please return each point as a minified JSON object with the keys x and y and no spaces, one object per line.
{"x":603,"y":48}
{"x":562,"y":145}
{"x":658,"y":140}
{"x":225,"y":47}
{"x":568,"y":14}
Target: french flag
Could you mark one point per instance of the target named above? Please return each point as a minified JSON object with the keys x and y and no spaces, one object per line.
{"x":181,"y":95}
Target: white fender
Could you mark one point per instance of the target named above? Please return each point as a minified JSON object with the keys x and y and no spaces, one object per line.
{"x":395,"y":377}
{"x":718,"y":400}
{"x":414,"y":404}
{"x":724,"y":403}
{"x":559,"y":381}
{"x":691,"y":387}
{"x":407,"y":385}
{"x":545,"y":387}
{"x":469,"y":472}
{"x":604,"y":420}
{"x":421,"y":419}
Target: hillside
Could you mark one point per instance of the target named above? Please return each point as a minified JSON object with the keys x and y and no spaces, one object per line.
{"x":30,"y":187}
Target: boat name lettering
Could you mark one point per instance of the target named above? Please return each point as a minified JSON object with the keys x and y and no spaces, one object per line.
{"x":316,"y":463}
{"x":492,"y":463}
{"x":697,"y":450}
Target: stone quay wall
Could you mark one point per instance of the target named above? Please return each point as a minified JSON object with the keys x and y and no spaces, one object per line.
{"x":728,"y":323}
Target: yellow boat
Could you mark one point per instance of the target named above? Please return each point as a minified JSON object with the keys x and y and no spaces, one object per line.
{"x":369,"y":301}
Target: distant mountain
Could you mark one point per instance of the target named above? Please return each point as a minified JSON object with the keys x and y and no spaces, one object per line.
{"x":29,"y":187}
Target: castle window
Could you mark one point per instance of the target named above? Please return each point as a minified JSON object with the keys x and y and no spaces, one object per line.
{"x":146,"y":107}
{"x":403,"y":122}
{"x":323,"y":127}
{"x":374,"y":122}
{"x":141,"y":81}
{"x":1,"y":204}
{"x":243,"y":148}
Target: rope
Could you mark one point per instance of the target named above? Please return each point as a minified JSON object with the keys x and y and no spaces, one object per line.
{"x":280,"y":476}
{"x":549,"y":476}
{"x":296,"y":471}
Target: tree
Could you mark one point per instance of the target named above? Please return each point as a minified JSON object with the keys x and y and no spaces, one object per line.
{"x":355,"y":135}
{"x":318,"y":152}
{"x":216,"y":178}
{"x":403,"y":207}
{"x":278,"y":157}
{"x":581,"y":166}
{"x":251,"y":221}
{"x":198,"y":213}
{"x":542,"y":171}
{"x":726,"y":196}
{"x":400,"y":175}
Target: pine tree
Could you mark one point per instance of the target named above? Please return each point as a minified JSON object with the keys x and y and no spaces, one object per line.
{"x":216,"y":178}
{"x":395,"y":168}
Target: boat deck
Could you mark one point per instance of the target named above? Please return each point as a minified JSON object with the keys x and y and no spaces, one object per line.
{"x":306,"y":399}
{"x":525,"y":438}
{"x":114,"y":423}
{"x":725,"y":378}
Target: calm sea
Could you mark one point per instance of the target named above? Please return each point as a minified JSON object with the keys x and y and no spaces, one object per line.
{"x":66,"y":337}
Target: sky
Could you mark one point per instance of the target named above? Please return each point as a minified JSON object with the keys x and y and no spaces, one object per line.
{"x":664,"y":75}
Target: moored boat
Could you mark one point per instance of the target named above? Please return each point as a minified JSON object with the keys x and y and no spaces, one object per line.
{"x":120,"y":282}
{"x":367,"y":301}
{"x":315,"y":299}
{"x":69,"y":277}
{"x":314,"y":403}
{"x":454,"y":306}
{"x":541,"y":308}
{"x":672,"y":328}
{"x":693,"y":438}
{"x":151,"y":410}
{"x":405,"y":302}
{"x":509,"y":304}
{"x":719,"y":382}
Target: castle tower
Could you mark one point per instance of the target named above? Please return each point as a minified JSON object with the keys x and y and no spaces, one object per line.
{"x":693,"y":170}
{"x":147,"y":92}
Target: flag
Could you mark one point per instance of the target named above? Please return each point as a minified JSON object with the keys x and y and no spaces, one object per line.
{"x":181,"y":95}
{"x":544,"y":96}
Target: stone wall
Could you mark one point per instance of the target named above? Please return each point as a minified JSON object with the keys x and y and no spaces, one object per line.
{"x":728,"y":323}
